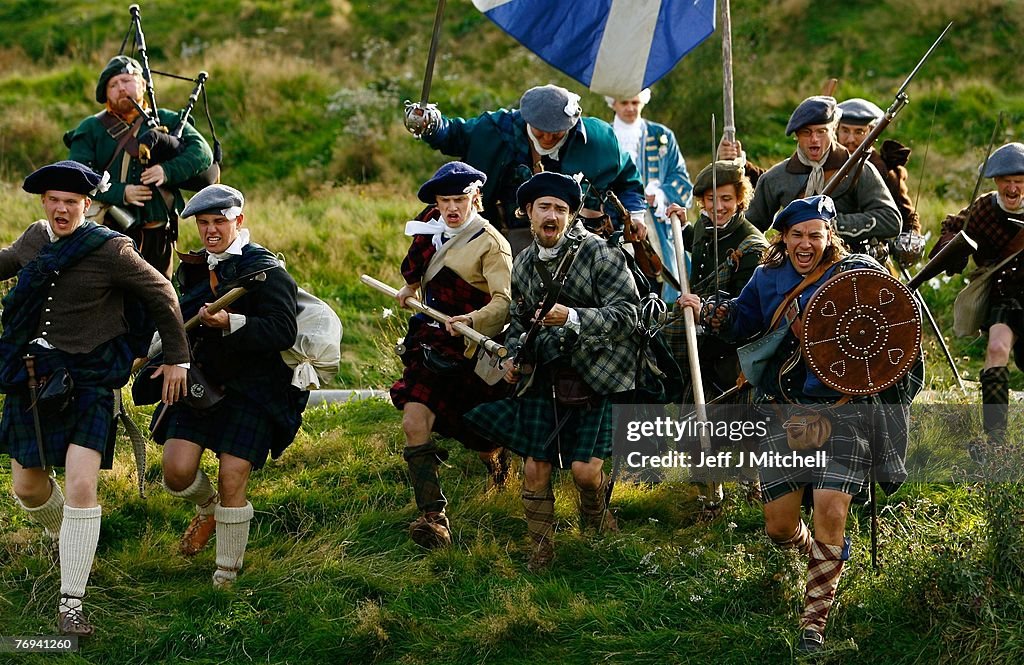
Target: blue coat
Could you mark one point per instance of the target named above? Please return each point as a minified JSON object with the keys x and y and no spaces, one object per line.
{"x":496,"y":143}
{"x":751,"y":312}
{"x":662,"y":161}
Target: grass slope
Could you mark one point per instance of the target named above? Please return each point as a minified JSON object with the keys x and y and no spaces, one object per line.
{"x":331,"y":577}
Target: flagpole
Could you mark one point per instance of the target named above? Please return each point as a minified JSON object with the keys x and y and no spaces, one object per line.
{"x":729,"y":129}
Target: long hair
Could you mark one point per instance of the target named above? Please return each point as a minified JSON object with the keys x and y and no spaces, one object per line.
{"x":775,"y":254}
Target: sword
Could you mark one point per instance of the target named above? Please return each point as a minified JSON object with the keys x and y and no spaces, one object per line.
{"x":421,"y":117}
{"x":729,"y":130}
{"x":33,"y":392}
{"x":714,"y":206}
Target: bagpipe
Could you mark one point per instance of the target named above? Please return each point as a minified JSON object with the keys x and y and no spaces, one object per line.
{"x":162,"y":143}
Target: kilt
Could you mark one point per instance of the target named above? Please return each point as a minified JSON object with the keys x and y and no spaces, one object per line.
{"x":88,"y":421}
{"x":848,"y":452}
{"x":524,"y":424}
{"x":448,"y":396}
{"x":1010,"y":312}
{"x":237,"y":426}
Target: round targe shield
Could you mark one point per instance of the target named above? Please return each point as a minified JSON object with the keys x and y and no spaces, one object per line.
{"x":861,"y":332}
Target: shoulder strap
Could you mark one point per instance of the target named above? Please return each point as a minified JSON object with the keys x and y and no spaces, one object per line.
{"x":811,"y":278}
{"x":120,"y":131}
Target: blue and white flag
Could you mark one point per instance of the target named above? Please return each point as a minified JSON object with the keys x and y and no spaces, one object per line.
{"x":614,"y":47}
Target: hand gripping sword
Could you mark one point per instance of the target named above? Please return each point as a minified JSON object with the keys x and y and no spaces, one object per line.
{"x":422,"y":117}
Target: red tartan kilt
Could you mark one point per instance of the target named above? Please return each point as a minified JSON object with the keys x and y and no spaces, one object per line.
{"x":448,"y":396}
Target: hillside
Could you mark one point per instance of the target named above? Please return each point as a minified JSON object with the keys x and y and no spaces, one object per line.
{"x":307,"y":98}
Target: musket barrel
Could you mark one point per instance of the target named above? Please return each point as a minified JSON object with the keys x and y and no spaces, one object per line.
{"x":899,"y":102}
{"x":956,"y":248}
{"x":470,"y":333}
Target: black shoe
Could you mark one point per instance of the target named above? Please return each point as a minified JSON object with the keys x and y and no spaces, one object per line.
{"x":810,"y":642}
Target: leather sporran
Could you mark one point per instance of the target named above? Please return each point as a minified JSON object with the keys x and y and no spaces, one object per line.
{"x":439,"y":363}
{"x":57,"y":393}
{"x":202,"y":394}
{"x":807,"y":431}
{"x":571,"y":389}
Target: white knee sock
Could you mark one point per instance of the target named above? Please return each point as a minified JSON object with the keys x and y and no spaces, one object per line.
{"x":50,"y":514}
{"x":232,"y":538}
{"x":200,"y":492}
{"x":79,"y":535}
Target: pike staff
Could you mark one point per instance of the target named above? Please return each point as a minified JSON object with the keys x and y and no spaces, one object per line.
{"x":691,"y":335}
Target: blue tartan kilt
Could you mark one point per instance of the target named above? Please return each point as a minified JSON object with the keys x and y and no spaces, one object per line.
{"x":524,"y":425}
{"x":848,"y":452}
{"x":237,"y":426}
{"x":88,"y":421}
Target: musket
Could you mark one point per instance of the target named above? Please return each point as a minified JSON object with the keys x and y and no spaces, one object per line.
{"x":140,"y":45}
{"x":193,"y":323}
{"x":961,"y":245}
{"x":473,"y":335}
{"x":897,"y":105}
{"x":33,"y":394}
{"x":419,"y":116}
{"x":935,"y":328}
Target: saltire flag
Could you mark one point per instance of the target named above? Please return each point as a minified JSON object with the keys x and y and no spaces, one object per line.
{"x":614,"y":47}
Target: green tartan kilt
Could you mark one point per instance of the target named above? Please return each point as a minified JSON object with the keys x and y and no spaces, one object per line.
{"x":88,"y":421}
{"x":236,"y":426}
{"x":524,"y":425}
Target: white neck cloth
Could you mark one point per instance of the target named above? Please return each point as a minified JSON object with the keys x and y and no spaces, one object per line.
{"x":816,"y":181}
{"x":234,"y":249}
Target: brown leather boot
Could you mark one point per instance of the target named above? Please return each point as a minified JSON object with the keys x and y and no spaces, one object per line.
{"x":199,"y":530}
{"x":431,"y":530}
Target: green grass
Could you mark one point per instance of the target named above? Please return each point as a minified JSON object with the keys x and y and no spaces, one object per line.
{"x":330,"y":575}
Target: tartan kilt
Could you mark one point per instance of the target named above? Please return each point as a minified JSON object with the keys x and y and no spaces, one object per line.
{"x":237,"y":426}
{"x":524,"y":424}
{"x":88,"y":421}
{"x":1010,"y":312}
{"x":449,"y":397}
{"x":848,"y":452}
